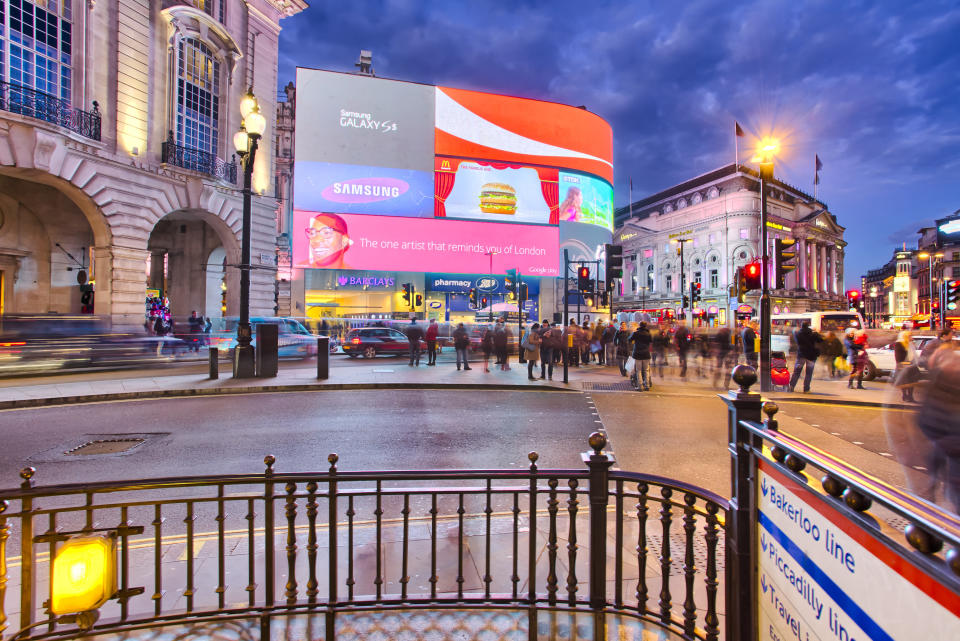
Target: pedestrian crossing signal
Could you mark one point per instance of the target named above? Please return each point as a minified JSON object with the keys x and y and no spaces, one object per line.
{"x":483,"y":302}
{"x":584,"y":284}
{"x":751,"y":276}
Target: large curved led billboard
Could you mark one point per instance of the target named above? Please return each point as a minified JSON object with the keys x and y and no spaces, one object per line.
{"x":385,"y":161}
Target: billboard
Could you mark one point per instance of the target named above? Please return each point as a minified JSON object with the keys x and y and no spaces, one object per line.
{"x":482,"y":190}
{"x":585,"y":199}
{"x":362,"y":189}
{"x":387,"y":243}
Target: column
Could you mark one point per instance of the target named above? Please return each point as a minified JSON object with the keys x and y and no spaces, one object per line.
{"x":824,"y":281}
{"x":814,"y":268}
{"x":802,"y":279}
{"x":833,"y":270}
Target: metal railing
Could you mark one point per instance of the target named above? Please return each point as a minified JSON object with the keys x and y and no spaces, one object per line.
{"x":36,"y":104}
{"x":196,"y":160}
{"x":334,"y":543}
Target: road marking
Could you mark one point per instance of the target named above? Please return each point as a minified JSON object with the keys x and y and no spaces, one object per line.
{"x":920,"y":467}
{"x":598,"y":421}
{"x":835,"y":433}
{"x":858,"y":442}
{"x":197,"y":546}
{"x":814,"y":425}
{"x":885,"y":454}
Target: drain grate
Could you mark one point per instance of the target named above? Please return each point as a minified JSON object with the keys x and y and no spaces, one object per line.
{"x":623,"y":386}
{"x":105,"y":446}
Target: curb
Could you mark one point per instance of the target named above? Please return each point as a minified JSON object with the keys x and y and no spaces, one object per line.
{"x":831,"y":401}
{"x":187,"y":392}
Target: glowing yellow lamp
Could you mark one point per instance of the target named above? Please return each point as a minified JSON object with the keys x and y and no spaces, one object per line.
{"x":84,"y":575}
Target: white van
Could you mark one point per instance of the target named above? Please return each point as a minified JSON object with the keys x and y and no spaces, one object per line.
{"x":782,"y":326}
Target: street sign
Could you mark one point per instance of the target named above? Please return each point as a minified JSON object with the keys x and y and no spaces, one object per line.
{"x":822,"y":576}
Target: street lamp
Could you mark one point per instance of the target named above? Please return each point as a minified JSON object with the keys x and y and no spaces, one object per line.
{"x":245,"y":141}
{"x":930,"y":258}
{"x":681,"y":241}
{"x":766,"y":153}
{"x":873,"y":295}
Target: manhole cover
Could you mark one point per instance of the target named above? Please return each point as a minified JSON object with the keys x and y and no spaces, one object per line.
{"x":623,"y":386}
{"x":106,"y":446}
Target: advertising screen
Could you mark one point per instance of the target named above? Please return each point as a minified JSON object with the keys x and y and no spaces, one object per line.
{"x":498,"y":192}
{"x":387,"y":243}
{"x":472,"y":124}
{"x":582,"y":241}
{"x":360,"y":189}
{"x":585,"y":199}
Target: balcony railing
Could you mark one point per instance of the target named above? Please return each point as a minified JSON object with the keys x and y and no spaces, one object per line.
{"x":196,"y":160}
{"x":36,"y":104}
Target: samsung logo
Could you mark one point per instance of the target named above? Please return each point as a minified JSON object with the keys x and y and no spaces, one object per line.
{"x":354,"y":189}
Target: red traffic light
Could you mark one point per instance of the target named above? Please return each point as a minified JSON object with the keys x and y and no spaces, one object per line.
{"x":584,"y":272}
{"x":753,"y":269}
{"x":853,"y":294}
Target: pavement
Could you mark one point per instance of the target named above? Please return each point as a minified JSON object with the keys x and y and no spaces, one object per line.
{"x":395,"y":374}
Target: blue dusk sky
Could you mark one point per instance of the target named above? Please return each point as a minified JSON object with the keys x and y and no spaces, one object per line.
{"x":872,"y":87}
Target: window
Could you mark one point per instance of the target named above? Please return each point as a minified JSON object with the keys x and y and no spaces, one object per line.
{"x":650,"y":278}
{"x":198,"y":101}
{"x":744,"y":233}
{"x":35,"y":46}
{"x":698,"y":277}
{"x":669,"y":280}
{"x":714,"y":279}
{"x":214,"y":8}
{"x":955,"y":256}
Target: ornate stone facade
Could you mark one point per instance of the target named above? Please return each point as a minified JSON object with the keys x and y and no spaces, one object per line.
{"x":718,"y":216}
{"x":136,"y":188}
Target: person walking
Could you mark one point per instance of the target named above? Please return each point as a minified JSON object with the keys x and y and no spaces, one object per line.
{"x":831,"y":350}
{"x":724,"y":349}
{"x":621,"y":343}
{"x":856,"y":344}
{"x":907,"y":374}
{"x":486,"y":345}
{"x":683,"y":340}
{"x":808,"y":351}
{"x":499,"y":344}
{"x":414,"y":335}
{"x":548,"y":342}
{"x":461,"y":341}
{"x":432,"y":330}
{"x":596,"y":345}
{"x":748,"y":340}
{"x":641,"y":340}
{"x":195,"y":323}
{"x":507,"y":339}
{"x":939,"y":420}
{"x":661,"y":342}
{"x":609,"y":349}
{"x":531,"y":349}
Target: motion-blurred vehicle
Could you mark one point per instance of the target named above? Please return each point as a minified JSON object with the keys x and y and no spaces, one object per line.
{"x":881,"y":361}
{"x":370,"y":342}
{"x":294,"y":340}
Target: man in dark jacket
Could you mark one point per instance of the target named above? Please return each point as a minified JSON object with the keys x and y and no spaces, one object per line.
{"x":748,"y":338}
{"x":414,"y":335}
{"x":641,"y":341}
{"x":621,"y":341}
{"x":808,"y":351}
{"x":724,"y":347}
{"x":684,"y":338}
{"x":549,"y":341}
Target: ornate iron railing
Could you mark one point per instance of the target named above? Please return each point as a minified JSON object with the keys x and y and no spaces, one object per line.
{"x":335,"y":544}
{"x":36,"y":104}
{"x":196,"y":160}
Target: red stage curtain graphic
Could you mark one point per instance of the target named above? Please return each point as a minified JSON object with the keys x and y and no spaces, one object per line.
{"x":551,"y":194}
{"x":443,"y":185}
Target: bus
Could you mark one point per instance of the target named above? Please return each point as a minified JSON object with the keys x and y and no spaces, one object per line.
{"x":782,"y":326}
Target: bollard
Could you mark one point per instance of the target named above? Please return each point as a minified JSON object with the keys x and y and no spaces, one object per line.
{"x":323,"y":357}
{"x":214,"y":363}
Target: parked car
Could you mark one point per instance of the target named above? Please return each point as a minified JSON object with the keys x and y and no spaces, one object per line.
{"x":370,"y":342}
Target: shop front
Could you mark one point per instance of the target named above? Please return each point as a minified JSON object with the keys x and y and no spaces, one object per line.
{"x":448,"y":297}
{"x":346,"y":294}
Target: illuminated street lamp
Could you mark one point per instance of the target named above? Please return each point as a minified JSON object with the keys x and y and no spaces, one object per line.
{"x":767,"y":150}
{"x":930,"y":258}
{"x":680,"y":242}
{"x":245,"y":141}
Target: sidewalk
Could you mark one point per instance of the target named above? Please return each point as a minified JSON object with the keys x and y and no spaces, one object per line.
{"x":396,"y":374}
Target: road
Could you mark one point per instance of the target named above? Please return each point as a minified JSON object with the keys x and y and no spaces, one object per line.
{"x":670,"y":432}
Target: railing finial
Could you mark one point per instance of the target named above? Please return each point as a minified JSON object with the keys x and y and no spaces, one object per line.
{"x":532,"y":457}
{"x":597,"y":441}
{"x":332,"y":459}
{"x":26,"y":474}
{"x":269,"y":460}
{"x":770,"y":409}
{"x":744,"y":376}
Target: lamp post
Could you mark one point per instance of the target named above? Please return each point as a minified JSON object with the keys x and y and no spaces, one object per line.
{"x":680,"y":242}
{"x":245,"y":141}
{"x":873,"y":295}
{"x":491,"y":254}
{"x":766,"y":152}
{"x":930,"y":258}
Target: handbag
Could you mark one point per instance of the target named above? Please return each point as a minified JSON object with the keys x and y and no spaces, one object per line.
{"x":631,"y":364}
{"x":841,"y":364}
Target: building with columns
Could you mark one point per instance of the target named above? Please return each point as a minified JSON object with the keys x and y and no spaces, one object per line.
{"x":715,"y":218}
{"x":116,"y":155}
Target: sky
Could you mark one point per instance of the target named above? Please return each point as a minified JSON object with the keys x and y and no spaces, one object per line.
{"x":873,"y":88}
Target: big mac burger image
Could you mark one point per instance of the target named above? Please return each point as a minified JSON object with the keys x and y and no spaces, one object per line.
{"x":498,"y":198}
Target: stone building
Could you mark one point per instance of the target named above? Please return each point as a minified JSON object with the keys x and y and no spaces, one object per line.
{"x":116,"y":155}
{"x":717,"y":216}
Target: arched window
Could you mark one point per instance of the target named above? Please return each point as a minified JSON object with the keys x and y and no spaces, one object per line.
{"x":198,"y":97}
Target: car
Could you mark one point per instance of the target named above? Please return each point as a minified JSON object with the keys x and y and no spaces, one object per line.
{"x":881,"y":362}
{"x":370,"y":342}
{"x":293,"y":340}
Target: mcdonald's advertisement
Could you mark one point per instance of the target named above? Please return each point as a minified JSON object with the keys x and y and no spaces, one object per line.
{"x":499,"y":192}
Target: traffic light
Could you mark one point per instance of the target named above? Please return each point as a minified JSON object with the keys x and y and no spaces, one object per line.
{"x":584,"y":284}
{"x":473,"y":298}
{"x":783,"y":253}
{"x":483,"y":302}
{"x":605,"y":299}
{"x":614,"y":264}
{"x":418,"y":300}
{"x":953,"y":294}
{"x":751,"y":276}
{"x":853,"y":297}
{"x":588,"y":301}
{"x":524,"y":292}
{"x":407,"y":292}
{"x":510,"y":281}
{"x":686,"y":302}
{"x":695,"y":293}
{"x":739,"y":287}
